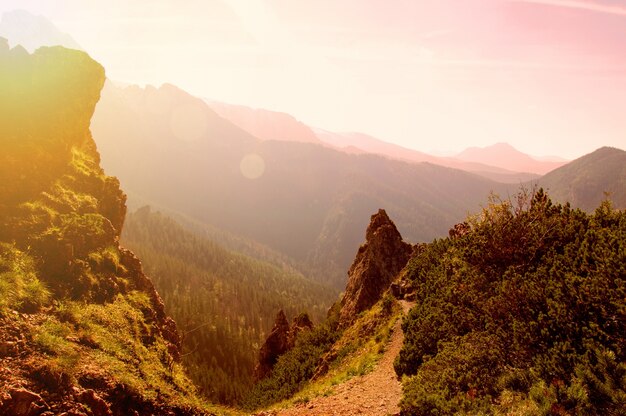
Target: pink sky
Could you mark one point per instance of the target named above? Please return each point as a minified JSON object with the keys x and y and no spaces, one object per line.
{"x":548,"y":76}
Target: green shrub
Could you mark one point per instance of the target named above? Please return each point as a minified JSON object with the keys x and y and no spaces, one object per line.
{"x":541,"y":285}
{"x":293,"y":369}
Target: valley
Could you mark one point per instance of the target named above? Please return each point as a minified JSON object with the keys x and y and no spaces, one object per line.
{"x":179,"y":239}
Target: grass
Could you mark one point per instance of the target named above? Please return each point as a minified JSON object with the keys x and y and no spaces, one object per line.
{"x":115,"y":341}
{"x":20,"y":287}
{"x":358,"y":350}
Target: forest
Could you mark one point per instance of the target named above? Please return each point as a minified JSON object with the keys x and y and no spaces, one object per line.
{"x":223,"y":302}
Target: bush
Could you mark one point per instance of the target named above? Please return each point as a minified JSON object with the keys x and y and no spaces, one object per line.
{"x":540,"y":284}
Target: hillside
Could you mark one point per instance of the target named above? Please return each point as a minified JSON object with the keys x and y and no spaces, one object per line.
{"x":265,"y":124}
{"x":495,"y":326}
{"x":505,"y":156}
{"x":585,"y":182}
{"x":224,"y":302}
{"x":362,"y":143}
{"x":309,"y":202}
{"x":82,"y":329}
{"x":520,"y":311}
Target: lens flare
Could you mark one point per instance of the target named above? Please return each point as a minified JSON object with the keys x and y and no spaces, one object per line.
{"x":252,"y":166}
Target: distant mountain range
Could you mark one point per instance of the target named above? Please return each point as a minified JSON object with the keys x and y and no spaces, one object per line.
{"x":30,"y":31}
{"x":501,"y":162}
{"x":265,"y":124}
{"x":505,"y":156}
{"x":363,"y":143}
{"x":310,"y":202}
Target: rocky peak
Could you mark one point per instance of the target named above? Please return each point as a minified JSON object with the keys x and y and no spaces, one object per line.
{"x":277,"y":343}
{"x":377,"y":263}
{"x":281,"y":339}
{"x":300,"y":323}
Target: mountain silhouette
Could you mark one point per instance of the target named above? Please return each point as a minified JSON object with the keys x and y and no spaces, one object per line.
{"x":302,"y":199}
{"x":505,"y":156}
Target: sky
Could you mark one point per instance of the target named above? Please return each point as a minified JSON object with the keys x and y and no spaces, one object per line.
{"x":547,"y":76}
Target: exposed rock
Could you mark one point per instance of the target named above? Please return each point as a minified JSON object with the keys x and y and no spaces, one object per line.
{"x":22,"y":402}
{"x":98,"y":406}
{"x":60,"y":208}
{"x":402,"y":289}
{"x":277,"y":343}
{"x":375,"y":267}
{"x":300,"y":323}
{"x":166,"y":325}
{"x":281,"y":339}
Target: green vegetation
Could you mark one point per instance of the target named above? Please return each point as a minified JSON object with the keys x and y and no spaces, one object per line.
{"x":225,"y":303}
{"x":90,"y":319}
{"x":586,"y":181}
{"x":20,"y":288}
{"x":338,"y":355}
{"x":524,"y":312}
{"x":110,"y":340}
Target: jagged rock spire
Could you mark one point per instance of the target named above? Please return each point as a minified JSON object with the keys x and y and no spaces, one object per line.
{"x":277,"y":343}
{"x":376,"y":265}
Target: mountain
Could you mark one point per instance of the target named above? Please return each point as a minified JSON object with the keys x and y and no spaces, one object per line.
{"x":586,"y":181}
{"x":360,"y":332}
{"x":305,"y":200}
{"x":265,"y":124}
{"x":23,"y":28}
{"x":362,"y":143}
{"x":82,"y":328}
{"x":505,"y":156}
{"x":224,"y":302}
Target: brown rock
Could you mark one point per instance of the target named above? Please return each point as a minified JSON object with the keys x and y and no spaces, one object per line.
{"x":277,"y":343}
{"x":8,"y":348}
{"x":98,"y":406}
{"x":23,"y":403}
{"x":375,"y":267}
{"x":300,"y":323}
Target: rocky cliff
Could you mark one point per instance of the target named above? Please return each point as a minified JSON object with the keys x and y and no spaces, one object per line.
{"x":377,"y":263}
{"x":82,"y":329}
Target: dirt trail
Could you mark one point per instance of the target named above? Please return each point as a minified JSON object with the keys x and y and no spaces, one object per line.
{"x":376,"y":393}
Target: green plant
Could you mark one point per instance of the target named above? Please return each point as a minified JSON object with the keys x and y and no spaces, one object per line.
{"x":540,"y":284}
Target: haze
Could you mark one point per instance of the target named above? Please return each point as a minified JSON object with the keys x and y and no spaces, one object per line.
{"x":547,"y":76}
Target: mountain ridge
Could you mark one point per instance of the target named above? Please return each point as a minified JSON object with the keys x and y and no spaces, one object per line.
{"x":588,"y":180}
{"x":505,"y":156}
{"x":81,"y":326}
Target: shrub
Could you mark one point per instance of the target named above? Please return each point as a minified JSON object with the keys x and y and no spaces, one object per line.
{"x":540,"y":284}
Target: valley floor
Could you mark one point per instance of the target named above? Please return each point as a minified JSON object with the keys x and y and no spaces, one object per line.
{"x":375,"y":393}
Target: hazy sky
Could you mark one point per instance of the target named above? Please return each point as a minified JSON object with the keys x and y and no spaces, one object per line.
{"x":548,"y":76}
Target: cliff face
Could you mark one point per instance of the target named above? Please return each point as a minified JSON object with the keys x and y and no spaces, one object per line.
{"x":377,"y":263}
{"x":82,"y":329}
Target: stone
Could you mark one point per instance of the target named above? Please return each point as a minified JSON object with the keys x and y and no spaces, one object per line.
{"x":377,"y":263}
{"x":277,"y":343}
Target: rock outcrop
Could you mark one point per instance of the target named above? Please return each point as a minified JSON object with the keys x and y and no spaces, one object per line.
{"x":377,"y":263}
{"x":281,"y":339}
{"x":82,"y":329}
